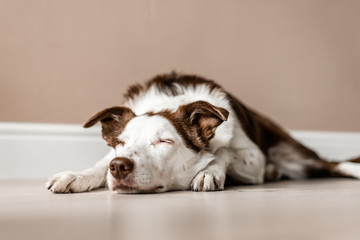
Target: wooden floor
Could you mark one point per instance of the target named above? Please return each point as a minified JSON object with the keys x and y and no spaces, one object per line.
{"x":316,"y":209}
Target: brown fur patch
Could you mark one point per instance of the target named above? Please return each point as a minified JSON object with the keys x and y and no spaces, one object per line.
{"x":169,"y":84}
{"x":355,"y":160}
{"x":113,"y":121}
{"x":264,"y":132}
{"x":196,"y":122}
{"x":133,"y":91}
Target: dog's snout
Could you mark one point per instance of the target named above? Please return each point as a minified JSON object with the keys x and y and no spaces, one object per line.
{"x":120,"y":167}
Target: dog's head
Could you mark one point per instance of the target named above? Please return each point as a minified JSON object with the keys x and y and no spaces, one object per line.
{"x":158,"y":152}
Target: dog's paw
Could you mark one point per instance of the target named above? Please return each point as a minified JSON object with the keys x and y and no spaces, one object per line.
{"x":207,"y":181}
{"x":68,"y":182}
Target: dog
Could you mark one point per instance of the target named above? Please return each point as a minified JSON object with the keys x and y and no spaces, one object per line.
{"x":181,"y":132}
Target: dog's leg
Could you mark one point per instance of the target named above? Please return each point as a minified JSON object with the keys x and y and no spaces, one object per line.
{"x":247,"y":166}
{"x":242,"y":165}
{"x":272,"y":173}
{"x":295,"y":161}
{"x":212,"y":178}
{"x":83,"y":181}
{"x":298,"y":162}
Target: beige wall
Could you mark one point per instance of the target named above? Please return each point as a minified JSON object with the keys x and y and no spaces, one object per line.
{"x":297,"y":61}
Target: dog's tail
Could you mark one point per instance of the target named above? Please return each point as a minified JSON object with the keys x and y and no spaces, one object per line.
{"x":355,"y":160}
{"x":347,"y":168}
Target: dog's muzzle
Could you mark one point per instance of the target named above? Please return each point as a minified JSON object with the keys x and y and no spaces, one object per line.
{"x":120,"y":167}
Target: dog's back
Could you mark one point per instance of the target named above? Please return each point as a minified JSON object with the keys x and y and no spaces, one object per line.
{"x":285,"y":157}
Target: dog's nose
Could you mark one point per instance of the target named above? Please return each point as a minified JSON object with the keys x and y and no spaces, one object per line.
{"x":120,"y":167}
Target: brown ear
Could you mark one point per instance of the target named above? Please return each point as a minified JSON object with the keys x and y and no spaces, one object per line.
{"x":113,"y":121}
{"x":200,"y":121}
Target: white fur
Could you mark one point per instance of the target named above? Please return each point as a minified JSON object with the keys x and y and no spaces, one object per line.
{"x":173,"y":166}
{"x":86,"y":180}
{"x":349,"y":169}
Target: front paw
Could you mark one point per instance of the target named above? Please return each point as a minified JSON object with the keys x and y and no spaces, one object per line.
{"x":208,"y":181}
{"x":68,"y":182}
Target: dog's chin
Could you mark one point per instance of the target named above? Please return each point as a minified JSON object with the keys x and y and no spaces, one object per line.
{"x":129,"y":189}
{"x":126,"y":189}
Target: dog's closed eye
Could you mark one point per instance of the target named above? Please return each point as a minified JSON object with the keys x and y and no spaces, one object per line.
{"x":164,"y":141}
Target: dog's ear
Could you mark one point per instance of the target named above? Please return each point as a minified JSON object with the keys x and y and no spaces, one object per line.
{"x":113,"y":121}
{"x":201,"y":118}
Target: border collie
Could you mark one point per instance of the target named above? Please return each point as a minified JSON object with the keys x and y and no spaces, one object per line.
{"x":180,"y":132}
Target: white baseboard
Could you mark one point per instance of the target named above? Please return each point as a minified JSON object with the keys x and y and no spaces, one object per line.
{"x":36,"y":151}
{"x":336,"y":146}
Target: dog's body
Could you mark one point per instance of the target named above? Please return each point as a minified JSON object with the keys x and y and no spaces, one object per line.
{"x":180,"y":132}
